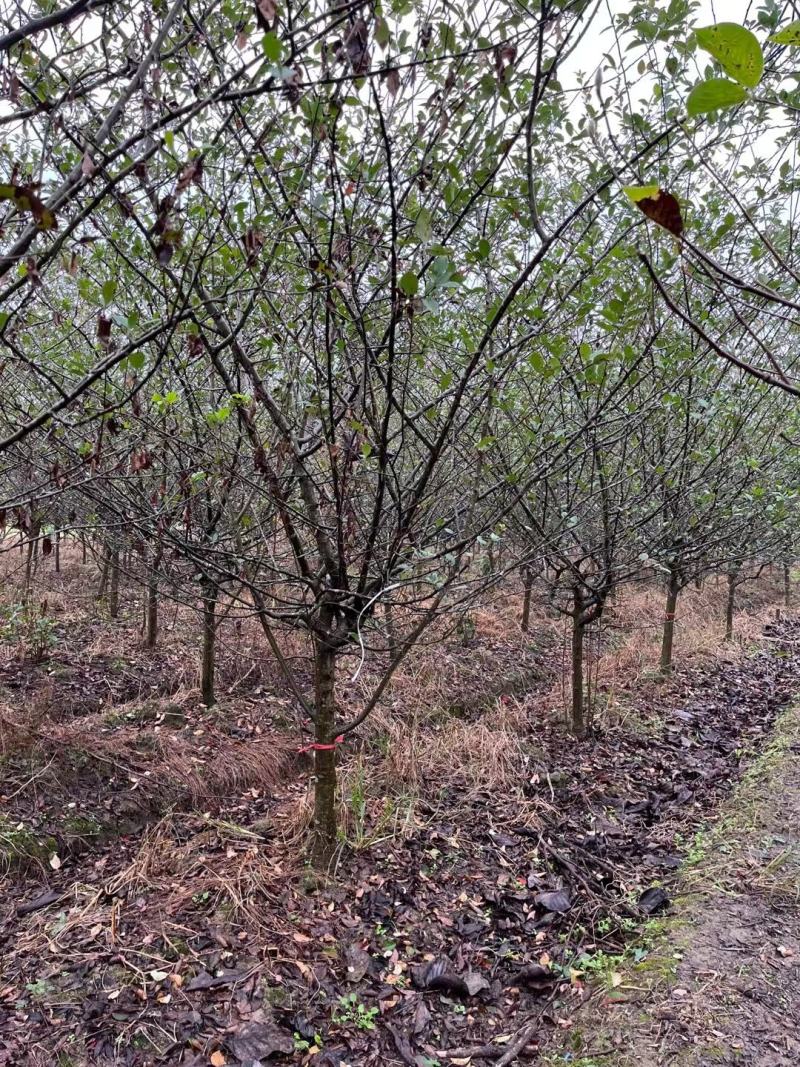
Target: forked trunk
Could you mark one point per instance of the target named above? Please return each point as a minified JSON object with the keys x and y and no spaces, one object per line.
{"x":527,"y":589}
{"x":209,"y":644}
{"x":113,"y":586}
{"x":324,"y":757}
{"x":668,"y":636}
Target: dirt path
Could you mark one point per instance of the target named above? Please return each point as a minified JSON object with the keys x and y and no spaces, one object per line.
{"x":722,"y":984}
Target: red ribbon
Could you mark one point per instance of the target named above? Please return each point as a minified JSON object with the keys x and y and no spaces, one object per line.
{"x":670,"y":615}
{"x":316,"y":747}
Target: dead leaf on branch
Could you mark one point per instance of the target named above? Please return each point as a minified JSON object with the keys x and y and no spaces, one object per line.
{"x":357,"y":46}
{"x":192,"y":174}
{"x":26,"y":199}
{"x":660,"y":206}
{"x":266,"y":14}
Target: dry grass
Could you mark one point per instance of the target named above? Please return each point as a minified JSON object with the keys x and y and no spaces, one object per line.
{"x":162,"y":767}
{"x":440,"y":732}
{"x":212,"y":865}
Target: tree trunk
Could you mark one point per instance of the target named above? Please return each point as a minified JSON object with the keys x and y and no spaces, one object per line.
{"x":787,"y":585}
{"x":83,"y":548}
{"x":391,"y":639}
{"x":730,"y":604}
{"x":113,"y":588}
{"x":527,"y":586}
{"x":578,"y":719}
{"x":209,"y":644}
{"x":101,"y":589}
{"x":151,"y":624}
{"x":57,"y":550}
{"x":324,"y":758}
{"x":29,"y":565}
{"x":673,"y":589}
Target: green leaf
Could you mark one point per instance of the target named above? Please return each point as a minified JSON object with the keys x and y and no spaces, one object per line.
{"x":714,"y":94}
{"x":109,"y":290}
{"x":484,"y":248}
{"x":788,"y":35}
{"x":272,"y":46}
{"x":409,"y":283}
{"x":382,"y":34}
{"x":4,"y":317}
{"x":136,"y":360}
{"x":640,"y":192}
{"x":422,"y":227}
{"x":736,"y":50}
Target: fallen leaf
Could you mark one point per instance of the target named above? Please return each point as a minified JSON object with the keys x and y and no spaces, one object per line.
{"x":559,"y":901}
{"x":257,"y":1041}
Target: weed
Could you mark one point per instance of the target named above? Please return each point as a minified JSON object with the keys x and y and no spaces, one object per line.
{"x":31,"y":629}
{"x":301,"y":1045}
{"x":39,"y":989}
{"x":351,"y":1012}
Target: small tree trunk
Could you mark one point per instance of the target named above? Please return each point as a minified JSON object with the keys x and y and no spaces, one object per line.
{"x":29,"y":564}
{"x":151,"y":624}
{"x":391,"y":638}
{"x":787,"y":585}
{"x":730,"y":603}
{"x":209,"y":644}
{"x":527,"y":586}
{"x":83,"y":549}
{"x":673,"y":589}
{"x":578,"y":718}
{"x":57,"y":550}
{"x":101,"y":589}
{"x":113,"y":588}
{"x":324,"y":758}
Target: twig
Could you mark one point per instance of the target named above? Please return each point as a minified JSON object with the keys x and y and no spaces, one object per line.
{"x":520,"y":1041}
{"x":32,"y":779}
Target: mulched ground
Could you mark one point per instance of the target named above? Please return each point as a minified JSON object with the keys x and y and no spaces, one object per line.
{"x":165,"y":925}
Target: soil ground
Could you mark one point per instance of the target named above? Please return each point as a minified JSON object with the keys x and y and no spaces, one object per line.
{"x":155,"y":905}
{"x":721,"y":982}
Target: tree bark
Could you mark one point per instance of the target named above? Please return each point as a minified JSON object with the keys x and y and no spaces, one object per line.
{"x":787,"y":585}
{"x":324,"y":758}
{"x":527,"y":587}
{"x":209,"y":644}
{"x":113,"y":588}
{"x":57,"y":550}
{"x":83,"y":548}
{"x":578,"y":716}
{"x":668,"y":636}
